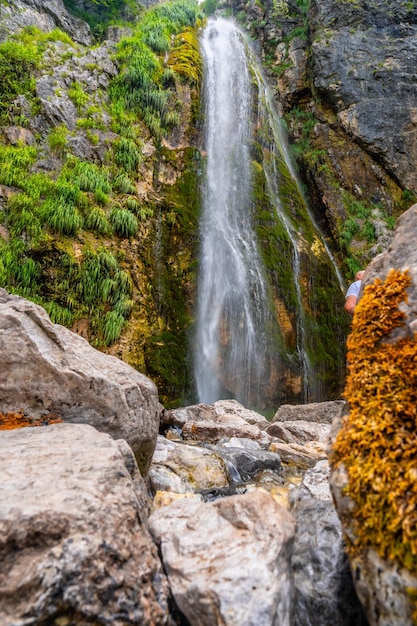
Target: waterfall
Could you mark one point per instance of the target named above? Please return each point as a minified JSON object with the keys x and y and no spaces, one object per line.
{"x":251,"y":323}
{"x":232,"y":300}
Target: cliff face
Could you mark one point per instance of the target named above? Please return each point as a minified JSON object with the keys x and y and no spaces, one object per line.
{"x":345,"y":80}
{"x":99,"y":189}
{"x":101,"y":161}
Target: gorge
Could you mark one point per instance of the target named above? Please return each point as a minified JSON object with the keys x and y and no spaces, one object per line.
{"x":132,"y":493}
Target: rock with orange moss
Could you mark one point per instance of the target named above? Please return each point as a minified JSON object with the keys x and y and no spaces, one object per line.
{"x":74,"y":544}
{"x":47,"y":369}
{"x":374,"y":444}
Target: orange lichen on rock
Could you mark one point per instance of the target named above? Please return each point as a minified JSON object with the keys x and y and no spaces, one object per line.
{"x":378,"y":440}
{"x":9,"y":421}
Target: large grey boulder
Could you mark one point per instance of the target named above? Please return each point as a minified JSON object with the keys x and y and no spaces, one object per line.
{"x":46,"y":368}
{"x":74,"y":546}
{"x":317,"y":412}
{"x":228,"y":561}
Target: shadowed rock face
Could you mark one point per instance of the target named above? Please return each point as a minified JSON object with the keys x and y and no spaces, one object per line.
{"x":73,"y":541}
{"x":364,"y":65}
{"x":49,"y":369}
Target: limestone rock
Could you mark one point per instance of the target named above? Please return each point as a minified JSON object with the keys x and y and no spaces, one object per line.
{"x":213,"y":432}
{"x":299,"y":457}
{"x":220,"y":411}
{"x":48,"y":369}
{"x":322,"y":578}
{"x":223,"y":419}
{"x":45,"y":15}
{"x":183,"y":468}
{"x":74,"y":546}
{"x":228,"y":561}
{"x":299,"y":431}
{"x":320,"y":412}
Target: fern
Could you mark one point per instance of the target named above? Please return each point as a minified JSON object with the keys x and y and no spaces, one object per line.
{"x":125,"y":224}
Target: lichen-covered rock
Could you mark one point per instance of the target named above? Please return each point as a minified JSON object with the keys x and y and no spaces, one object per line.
{"x":74,"y":546}
{"x":46,"y":368}
{"x":374,"y":444}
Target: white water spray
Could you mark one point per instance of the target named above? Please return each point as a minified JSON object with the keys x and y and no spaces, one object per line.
{"x":232,"y":293}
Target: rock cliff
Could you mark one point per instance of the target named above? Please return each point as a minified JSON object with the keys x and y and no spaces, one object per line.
{"x":344,"y":76}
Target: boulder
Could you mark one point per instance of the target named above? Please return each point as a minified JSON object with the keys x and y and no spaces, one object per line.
{"x":74,"y":546}
{"x":222,"y":411}
{"x":299,"y":431}
{"x":228,"y":561}
{"x":46,"y":368}
{"x":320,"y":412}
{"x":322,"y":577}
{"x":185,"y":468}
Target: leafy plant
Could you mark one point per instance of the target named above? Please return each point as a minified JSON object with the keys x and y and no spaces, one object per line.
{"x":58,"y":139}
{"x":125,"y":224}
{"x":97,"y":221}
{"x":112,"y":326}
{"x":17,"y":65}
{"x":126,"y":154}
{"x":143,"y":85}
{"x":78,"y":95}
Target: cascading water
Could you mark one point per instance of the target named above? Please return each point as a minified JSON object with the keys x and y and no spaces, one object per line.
{"x":255,"y":318}
{"x":232,"y":298}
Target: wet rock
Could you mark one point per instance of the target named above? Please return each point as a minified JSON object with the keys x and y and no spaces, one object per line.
{"x":46,"y":368}
{"x":228,"y":561}
{"x":74,"y":545}
{"x":183,"y":468}
{"x":299,"y":458}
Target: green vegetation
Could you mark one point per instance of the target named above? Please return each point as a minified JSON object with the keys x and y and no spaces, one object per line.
{"x":144,"y":85}
{"x":100,"y":15}
{"x":125,"y":224}
{"x":78,"y":96}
